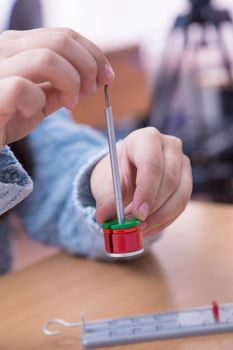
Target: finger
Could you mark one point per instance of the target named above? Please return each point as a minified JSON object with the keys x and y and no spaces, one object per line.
{"x":175,"y":205}
{"x":173,"y":162}
{"x":85,"y":56}
{"x":157,"y":229}
{"x":105,"y":71}
{"x":106,"y":210}
{"x":147,"y":157}
{"x":20,"y":95}
{"x":53,"y":101}
{"x":45,"y":66}
{"x":76,"y":54}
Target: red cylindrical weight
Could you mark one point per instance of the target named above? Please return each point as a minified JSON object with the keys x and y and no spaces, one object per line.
{"x":120,"y":242}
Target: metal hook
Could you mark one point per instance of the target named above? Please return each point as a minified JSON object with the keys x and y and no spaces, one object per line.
{"x":60,"y":322}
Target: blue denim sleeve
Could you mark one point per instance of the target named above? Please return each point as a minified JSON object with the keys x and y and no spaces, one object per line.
{"x":6,"y":257}
{"x":61,"y":209}
{"x":15,"y":184}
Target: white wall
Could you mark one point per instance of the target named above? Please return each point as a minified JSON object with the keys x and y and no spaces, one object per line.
{"x":114,"y":22}
{"x":5,"y":10}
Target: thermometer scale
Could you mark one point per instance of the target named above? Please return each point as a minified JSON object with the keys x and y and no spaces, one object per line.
{"x":210,"y":320}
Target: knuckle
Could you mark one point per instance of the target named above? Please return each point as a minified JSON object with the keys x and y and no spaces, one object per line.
{"x":60,"y":40}
{"x":72,"y":83}
{"x":152,"y":132}
{"x":176,"y":142}
{"x":99,"y":54}
{"x":67,"y":32}
{"x":148,"y":132}
{"x":45,"y":57}
{"x":173,"y":178}
{"x":92,"y":69}
{"x":89,"y":69}
{"x":89,"y":73}
{"x":18,"y":86}
{"x":155,"y":165}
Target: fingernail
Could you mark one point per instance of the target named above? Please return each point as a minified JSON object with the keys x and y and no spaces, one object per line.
{"x":109,"y":73}
{"x":143,"y":211}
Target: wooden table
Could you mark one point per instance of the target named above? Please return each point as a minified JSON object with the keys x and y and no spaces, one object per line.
{"x":190,"y":266}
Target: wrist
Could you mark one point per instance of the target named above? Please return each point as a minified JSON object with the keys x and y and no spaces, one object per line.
{"x":101,"y":179}
{"x":94,"y":183}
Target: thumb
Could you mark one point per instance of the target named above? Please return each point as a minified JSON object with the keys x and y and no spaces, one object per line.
{"x":106,"y":210}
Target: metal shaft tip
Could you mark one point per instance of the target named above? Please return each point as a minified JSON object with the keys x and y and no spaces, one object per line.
{"x":106,"y":96}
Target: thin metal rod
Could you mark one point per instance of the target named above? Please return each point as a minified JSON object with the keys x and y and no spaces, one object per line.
{"x":113,"y":158}
{"x":107,"y":105}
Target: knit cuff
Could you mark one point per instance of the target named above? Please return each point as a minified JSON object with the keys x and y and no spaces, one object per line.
{"x":83,"y":198}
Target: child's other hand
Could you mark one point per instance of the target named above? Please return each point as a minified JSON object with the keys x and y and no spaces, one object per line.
{"x":42,"y":70}
{"x":156,"y":180}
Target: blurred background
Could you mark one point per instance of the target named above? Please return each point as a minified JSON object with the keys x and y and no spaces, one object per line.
{"x":174,"y":70}
{"x":173,"y":63}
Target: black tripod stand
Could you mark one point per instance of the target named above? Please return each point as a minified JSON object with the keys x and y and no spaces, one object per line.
{"x":190,"y":104}
{"x":202,"y":12}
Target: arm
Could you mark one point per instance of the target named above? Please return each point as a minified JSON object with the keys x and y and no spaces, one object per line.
{"x":33,"y":89}
{"x":61,"y":209}
{"x":71,"y":171}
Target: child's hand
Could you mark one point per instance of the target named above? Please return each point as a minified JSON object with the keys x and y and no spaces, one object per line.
{"x":42,"y":70}
{"x":156,"y":180}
